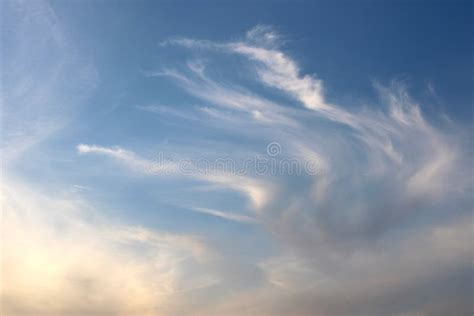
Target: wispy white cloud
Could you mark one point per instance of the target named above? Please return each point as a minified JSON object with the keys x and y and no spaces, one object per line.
{"x":226,"y":215}
{"x":132,"y":161}
{"x":43,"y":81}
{"x":382,"y":227}
{"x":381,"y":169}
{"x":264,"y":35}
{"x":257,"y":190}
{"x":81,"y":187}
{"x":281,"y":72}
{"x":387,"y":136}
{"x":234,"y":98}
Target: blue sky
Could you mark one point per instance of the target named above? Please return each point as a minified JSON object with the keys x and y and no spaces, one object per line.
{"x":212,"y":158}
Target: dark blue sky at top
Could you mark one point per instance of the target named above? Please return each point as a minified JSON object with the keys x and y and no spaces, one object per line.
{"x":348,"y":44}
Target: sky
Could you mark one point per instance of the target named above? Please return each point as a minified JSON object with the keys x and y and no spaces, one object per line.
{"x":261,"y":158}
